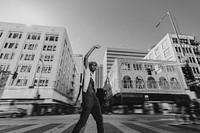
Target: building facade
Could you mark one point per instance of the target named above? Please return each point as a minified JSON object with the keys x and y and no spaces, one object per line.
{"x":43,"y":58}
{"x":169,"y":49}
{"x":134,"y":88}
{"x":99,"y":76}
{"x":112,"y":53}
{"x":80,"y":67}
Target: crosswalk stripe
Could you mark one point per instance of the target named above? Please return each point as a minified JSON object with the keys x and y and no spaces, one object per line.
{"x":60,"y":128}
{"x":124,"y":128}
{"x":151,"y":127}
{"x":43,"y":128}
{"x":6,"y":126}
{"x":25,"y":129}
{"x":109,"y":126}
{"x":71,"y":127}
{"x":90,"y":127}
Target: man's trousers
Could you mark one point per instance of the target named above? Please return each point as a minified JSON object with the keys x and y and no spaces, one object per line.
{"x":90,"y":105}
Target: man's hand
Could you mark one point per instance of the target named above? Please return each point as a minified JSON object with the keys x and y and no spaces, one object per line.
{"x":97,"y":46}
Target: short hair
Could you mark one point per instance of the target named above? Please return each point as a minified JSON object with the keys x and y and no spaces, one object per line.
{"x":92,"y":63}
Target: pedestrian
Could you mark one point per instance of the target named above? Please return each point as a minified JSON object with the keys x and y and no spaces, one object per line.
{"x":90,"y":103}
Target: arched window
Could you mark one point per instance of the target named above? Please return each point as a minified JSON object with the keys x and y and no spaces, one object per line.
{"x":174,"y":83}
{"x":163,"y":83}
{"x":151,"y":83}
{"x":139,"y":83}
{"x":127,"y":82}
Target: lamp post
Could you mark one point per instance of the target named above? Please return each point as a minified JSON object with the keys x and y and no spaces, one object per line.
{"x":38,"y":84}
{"x":175,"y":30}
{"x":122,"y":83}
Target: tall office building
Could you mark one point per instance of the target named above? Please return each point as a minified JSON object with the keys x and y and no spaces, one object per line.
{"x":112,"y":53}
{"x":169,"y":49}
{"x":99,"y":76}
{"x":80,"y":67}
{"x":43,"y":62}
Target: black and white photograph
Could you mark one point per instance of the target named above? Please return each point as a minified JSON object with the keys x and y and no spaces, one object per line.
{"x":99,"y":66}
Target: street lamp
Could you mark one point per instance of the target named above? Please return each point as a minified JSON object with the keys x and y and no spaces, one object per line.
{"x":121,"y":92}
{"x":37,"y":92}
{"x":175,"y":30}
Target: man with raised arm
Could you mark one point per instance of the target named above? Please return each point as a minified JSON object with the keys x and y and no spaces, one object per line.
{"x":90,"y":103}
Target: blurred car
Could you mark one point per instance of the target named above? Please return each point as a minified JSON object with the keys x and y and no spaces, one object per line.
{"x":13,"y":112}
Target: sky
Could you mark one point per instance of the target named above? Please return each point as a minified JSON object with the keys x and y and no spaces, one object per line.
{"x":128,"y":24}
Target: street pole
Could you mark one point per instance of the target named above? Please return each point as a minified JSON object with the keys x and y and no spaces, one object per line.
{"x":175,"y":30}
{"x":122,"y":100}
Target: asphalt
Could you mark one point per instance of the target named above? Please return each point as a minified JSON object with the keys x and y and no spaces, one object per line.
{"x":190,"y":126}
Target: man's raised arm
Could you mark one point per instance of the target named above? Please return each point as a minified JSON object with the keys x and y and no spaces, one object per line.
{"x":89,"y":53}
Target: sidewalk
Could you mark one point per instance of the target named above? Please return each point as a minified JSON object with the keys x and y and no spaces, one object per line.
{"x":192,"y":127}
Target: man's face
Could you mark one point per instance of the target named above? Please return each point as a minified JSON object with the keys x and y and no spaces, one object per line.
{"x":93,"y":67}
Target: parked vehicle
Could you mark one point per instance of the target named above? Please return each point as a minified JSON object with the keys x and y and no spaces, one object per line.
{"x":12,"y":112}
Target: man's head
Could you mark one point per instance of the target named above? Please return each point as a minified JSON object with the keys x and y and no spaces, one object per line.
{"x":92,"y":66}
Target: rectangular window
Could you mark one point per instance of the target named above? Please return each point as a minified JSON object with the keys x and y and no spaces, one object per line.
{"x":10,"y":34}
{"x":1,"y":33}
{"x":46,"y":83}
{"x":49,"y":69}
{"x":23,"y":69}
{"x":11,"y":45}
{"x":192,"y":42}
{"x":42,"y":82}
{"x":53,"y":57}
{"x":52,"y":37}
{"x":1,"y":55}
{"x":6,"y":44}
{"x":184,"y":41}
{"x":12,"y":55}
{"x":33,"y":36}
{"x":54,"y":48}
{"x":176,"y":49}
{"x":175,"y":40}
{"x":6,"y":56}
{"x":16,"y":45}
{"x":15,"y":34}
{"x":35,"y":82}
{"x":38,"y":69}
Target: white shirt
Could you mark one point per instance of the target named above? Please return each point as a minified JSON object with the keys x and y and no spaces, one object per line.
{"x":87,"y":75}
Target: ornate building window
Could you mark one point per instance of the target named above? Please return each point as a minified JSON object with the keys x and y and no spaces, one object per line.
{"x":139,"y":83}
{"x":163,"y":83}
{"x":174,"y":83}
{"x":127,"y":82}
{"x":151,"y":83}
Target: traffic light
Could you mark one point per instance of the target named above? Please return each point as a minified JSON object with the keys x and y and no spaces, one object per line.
{"x":193,"y":88}
{"x":15,"y":75}
{"x":187,"y":71}
{"x":149,"y":71}
{"x":38,"y":96}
